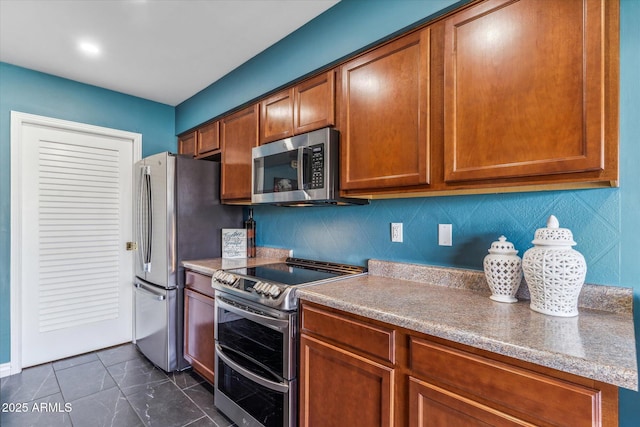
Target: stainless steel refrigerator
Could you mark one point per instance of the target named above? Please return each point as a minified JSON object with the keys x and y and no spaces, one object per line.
{"x":178,"y":216}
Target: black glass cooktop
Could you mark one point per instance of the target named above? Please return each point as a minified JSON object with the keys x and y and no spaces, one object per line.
{"x":292,"y":274}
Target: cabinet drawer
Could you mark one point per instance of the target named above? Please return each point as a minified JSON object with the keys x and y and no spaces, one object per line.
{"x":372,"y":340}
{"x":430,"y":405}
{"x":199,"y":282}
{"x":515,"y":389}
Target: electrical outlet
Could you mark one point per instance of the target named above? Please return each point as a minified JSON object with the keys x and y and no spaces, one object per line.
{"x":445,"y":235}
{"x":396,"y":232}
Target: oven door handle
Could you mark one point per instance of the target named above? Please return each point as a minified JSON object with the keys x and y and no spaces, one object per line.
{"x":277,"y":324}
{"x":271,"y":385}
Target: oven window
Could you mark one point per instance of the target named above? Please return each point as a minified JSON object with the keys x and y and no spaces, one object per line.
{"x":263,"y":404}
{"x":253,"y":340}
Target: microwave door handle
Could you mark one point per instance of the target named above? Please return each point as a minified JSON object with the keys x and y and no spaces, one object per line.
{"x":301,"y":183}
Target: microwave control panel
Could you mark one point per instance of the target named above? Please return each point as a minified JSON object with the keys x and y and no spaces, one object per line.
{"x":317,"y":167}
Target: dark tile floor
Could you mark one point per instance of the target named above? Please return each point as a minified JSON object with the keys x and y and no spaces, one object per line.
{"x":115,"y":387}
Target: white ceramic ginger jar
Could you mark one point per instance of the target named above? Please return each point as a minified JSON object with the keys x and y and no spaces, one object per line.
{"x":502,"y":268}
{"x":554,"y":271}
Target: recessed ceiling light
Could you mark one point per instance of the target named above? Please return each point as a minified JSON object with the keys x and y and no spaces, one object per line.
{"x":89,"y":48}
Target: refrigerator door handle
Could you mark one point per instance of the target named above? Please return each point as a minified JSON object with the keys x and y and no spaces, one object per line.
{"x":145,"y":218}
{"x":142,"y":288}
{"x":139,"y":219}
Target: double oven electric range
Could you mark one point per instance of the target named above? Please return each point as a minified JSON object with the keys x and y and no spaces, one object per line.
{"x":256,"y":315}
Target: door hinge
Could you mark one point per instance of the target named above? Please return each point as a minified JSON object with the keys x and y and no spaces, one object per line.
{"x":132,"y":246}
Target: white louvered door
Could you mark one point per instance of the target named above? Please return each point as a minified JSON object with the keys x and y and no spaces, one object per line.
{"x":77,"y":217}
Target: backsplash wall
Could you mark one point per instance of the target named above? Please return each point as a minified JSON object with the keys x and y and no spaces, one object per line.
{"x":354,"y":234}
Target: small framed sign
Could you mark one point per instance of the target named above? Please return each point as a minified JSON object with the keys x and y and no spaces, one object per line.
{"x":234,"y":243}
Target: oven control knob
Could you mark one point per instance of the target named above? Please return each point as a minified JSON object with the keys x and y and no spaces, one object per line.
{"x":274,"y":291}
{"x":222,"y":277}
{"x":271,"y":290}
{"x":258,"y":287}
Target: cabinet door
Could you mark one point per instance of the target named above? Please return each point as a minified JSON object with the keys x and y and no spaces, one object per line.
{"x":524,"y":89}
{"x":430,"y":405}
{"x":276,"y":114}
{"x":314,"y":103}
{"x":209,"y":139}
{"x":199,"y":342}
{"x":339,"y":388}
{"x":187,"y":144}
{"x":239,"y":133}
{"x":384,"y":124}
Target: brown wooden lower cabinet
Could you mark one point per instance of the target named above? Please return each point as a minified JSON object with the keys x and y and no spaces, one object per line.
{"x":199,"y":344}
{"x":427,"y":381}
{"x":339,"y":388}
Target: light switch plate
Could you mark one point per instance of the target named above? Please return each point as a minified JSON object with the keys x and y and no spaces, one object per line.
{"x":445,"y":237}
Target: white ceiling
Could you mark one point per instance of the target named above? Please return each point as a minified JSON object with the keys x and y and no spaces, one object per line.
{"x":162,"y":50}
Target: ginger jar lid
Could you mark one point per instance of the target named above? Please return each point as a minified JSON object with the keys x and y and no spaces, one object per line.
{"x":502,"y":247}
{"x":552,"y":234}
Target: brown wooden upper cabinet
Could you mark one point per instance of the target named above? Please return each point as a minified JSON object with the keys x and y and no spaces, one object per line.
{"x":276,"y":113}
{"x":239,"y":134}
{"x":315,"y":103}
{"x":384,"y":103}
{"x":526,"y":90}
{"x":209,"y":139}
{"x":307,"y":106}
{"x":187,"y":143}
{"x":202,"y":142}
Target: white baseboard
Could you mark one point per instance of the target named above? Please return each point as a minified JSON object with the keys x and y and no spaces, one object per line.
{"x":5,"y":370}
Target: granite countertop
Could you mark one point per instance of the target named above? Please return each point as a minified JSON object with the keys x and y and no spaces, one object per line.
{"x":263,"y":256}
{"x":451,"y":304}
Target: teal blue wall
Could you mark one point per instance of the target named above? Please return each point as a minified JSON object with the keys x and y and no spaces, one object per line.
{"x":630,"y":178}
{"x":345,"y":28}
{"x":605,"y":222}
{"x":32,"y":92}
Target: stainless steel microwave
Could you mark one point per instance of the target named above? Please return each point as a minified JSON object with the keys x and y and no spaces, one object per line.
{"x":299,"y":171}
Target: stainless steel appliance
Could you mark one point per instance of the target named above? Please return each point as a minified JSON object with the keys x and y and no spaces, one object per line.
{"x":301,"y":170}
{"x":178,"y":216}
{"x":256,"y":338}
